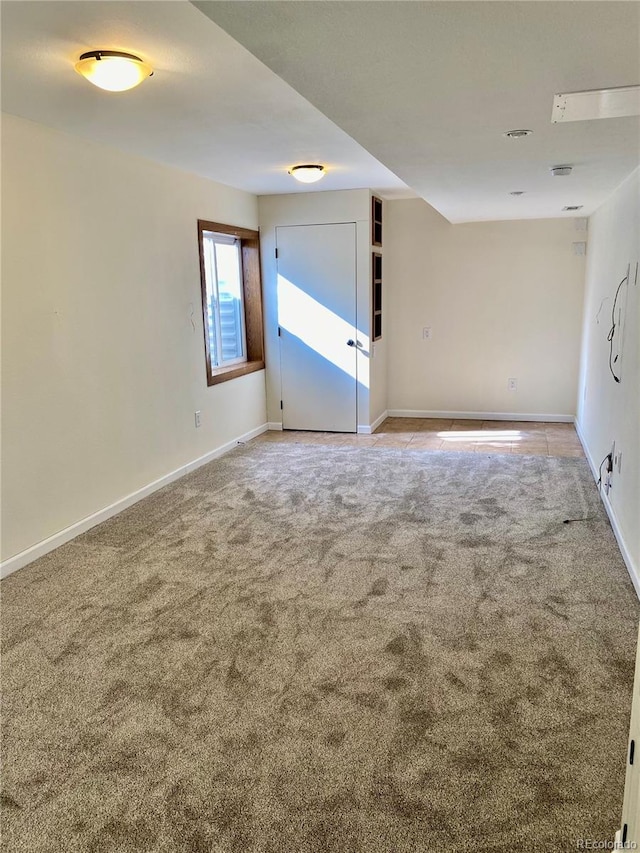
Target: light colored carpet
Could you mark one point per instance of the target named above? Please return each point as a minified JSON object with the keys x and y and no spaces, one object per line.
{"x":301,"y":649}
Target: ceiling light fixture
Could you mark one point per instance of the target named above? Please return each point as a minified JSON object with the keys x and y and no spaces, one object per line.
{"x":517,"y":134}
{"x":308,"y":174}
{"x":596,"y":103}
{"x":113,"y":70}
{"x":560,"y":171}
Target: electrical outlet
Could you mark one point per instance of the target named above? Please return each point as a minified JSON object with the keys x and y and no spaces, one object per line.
{"x":512,"y":384}
{"x":198,"y":419}
{"x":426,"y":333}
{"x":619,"y":462}
{"x":608,"y":468}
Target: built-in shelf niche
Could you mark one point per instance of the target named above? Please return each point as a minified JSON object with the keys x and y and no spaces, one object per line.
{"x":376,"y":221}
{"x":376,"y":296}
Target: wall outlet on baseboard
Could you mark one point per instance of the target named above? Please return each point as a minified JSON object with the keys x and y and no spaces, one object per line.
{"x":512,"y":384}
{"x":198,"y":419}
{"x":426,"y":333}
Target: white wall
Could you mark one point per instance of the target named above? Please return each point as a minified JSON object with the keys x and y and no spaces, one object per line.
{"x":503,"y":300}
{"x":608,"y":411}
{"x":317,"y":208}
{"x":103,"y":356}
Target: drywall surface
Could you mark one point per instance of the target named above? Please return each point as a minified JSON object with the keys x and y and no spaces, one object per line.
{"x":609,"y":411}
{"x":378,"y":372}
{"x":316,"y":208}
{"x":102,"y":343}
{"x":502,"y":300}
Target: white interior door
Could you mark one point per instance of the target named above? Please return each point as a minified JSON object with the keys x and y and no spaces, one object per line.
{"x":630,"y":831}
{"x":317,"y":321}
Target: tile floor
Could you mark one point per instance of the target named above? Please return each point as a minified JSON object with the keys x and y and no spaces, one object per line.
{"x":532,"y":438}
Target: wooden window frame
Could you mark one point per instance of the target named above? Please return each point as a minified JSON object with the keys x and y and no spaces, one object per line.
{"x":252,"y":291}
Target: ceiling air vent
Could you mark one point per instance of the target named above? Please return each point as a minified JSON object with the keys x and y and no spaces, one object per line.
{"x":596,"y":103}
{"x":560,"y":171}
{"x":518,"y":134}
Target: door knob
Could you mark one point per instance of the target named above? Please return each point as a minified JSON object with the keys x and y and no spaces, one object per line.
{"x":351,"y":342}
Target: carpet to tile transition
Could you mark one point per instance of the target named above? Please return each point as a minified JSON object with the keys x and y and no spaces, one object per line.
{"x":304,"y":649}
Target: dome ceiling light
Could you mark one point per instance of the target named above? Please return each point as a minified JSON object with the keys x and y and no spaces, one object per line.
{"x":308,"y":174}
{"x":113,"y":70}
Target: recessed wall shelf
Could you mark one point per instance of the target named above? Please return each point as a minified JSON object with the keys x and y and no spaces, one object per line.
{"x":376,"y":221}
{"x":376,"y":296}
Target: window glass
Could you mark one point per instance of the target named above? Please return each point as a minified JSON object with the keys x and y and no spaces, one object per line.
{"x":225,"y":310}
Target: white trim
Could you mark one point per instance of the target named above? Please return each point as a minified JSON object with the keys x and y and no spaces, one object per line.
{"x":274,"y":425}
{"x":634,"y":574}
{"x":52,"y":542}
{"x":367,"y":430}
{"x":379,"y":420}
{"x":480,"y":416}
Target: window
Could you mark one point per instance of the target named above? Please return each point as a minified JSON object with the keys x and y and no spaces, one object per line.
{"x":231,"y":300}
{"x":225,"y":303}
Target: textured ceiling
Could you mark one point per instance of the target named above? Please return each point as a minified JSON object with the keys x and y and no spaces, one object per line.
{"x":211,"y":107}
{"x":429,"y":88}
{"x":247,"y":89}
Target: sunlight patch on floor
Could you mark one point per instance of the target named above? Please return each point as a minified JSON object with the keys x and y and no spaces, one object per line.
{"x":482,"y":436}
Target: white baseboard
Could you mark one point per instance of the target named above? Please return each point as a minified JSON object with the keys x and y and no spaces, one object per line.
{"x":274,"y":425}
{"x":480,"y":416}
{"x":367,"y":430}
{"x":52,"y":542}
{"x":634,"y":574}
{"x":379,"y":420}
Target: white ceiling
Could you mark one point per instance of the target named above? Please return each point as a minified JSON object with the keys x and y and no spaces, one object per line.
{"x":211,"y":107}
{"x":429,"y":88}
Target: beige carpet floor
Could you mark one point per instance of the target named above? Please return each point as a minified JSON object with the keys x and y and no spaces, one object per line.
{"x":310,"y":649}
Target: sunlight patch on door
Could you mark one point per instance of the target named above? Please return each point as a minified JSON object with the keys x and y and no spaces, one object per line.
{"x":315,"y":325}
